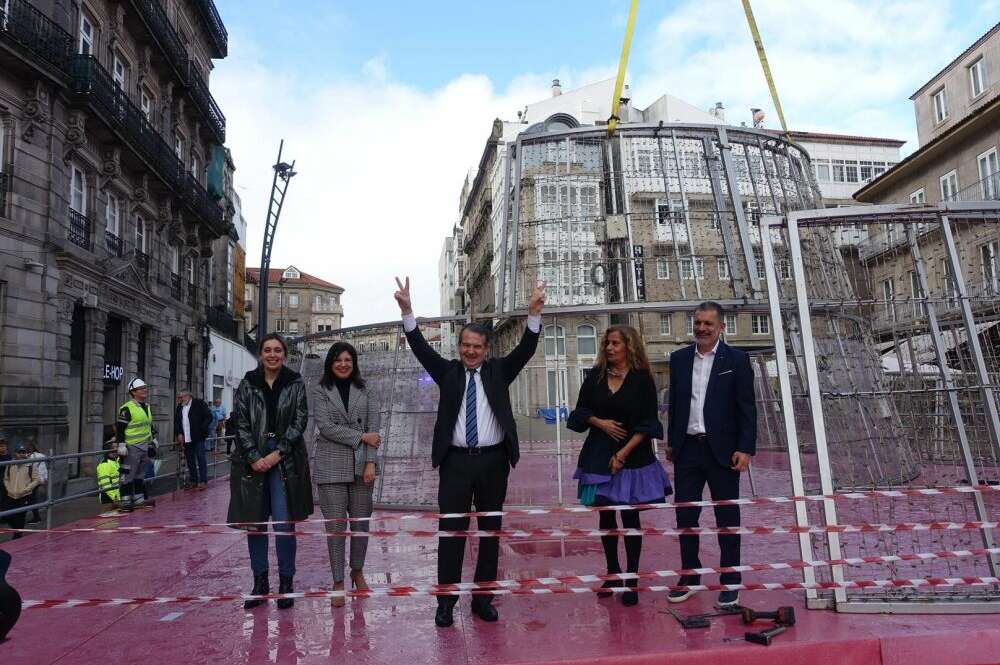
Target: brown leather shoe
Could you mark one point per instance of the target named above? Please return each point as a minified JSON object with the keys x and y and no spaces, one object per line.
{"x":338,"y":601}
{"x":358,"y":580}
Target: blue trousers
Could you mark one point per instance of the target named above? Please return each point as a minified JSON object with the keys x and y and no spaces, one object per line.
{"x":197,"y":461}
{"x":275,"y":507}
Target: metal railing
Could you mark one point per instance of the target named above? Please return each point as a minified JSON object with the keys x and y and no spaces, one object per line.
{"x":78,"y":231}
{"x":142,"y":262}
{"x":217,"y":456}
{"x":206,"y":103}
{"x":201,"y":203}
{"x":216,"y":29}
{"x":221,"y":320}
{"x":114,"y":244}
{"x":34,"y":33}
{"x":192,"y":294}
{"x":175,"y":286}
{"x":986,"y":189}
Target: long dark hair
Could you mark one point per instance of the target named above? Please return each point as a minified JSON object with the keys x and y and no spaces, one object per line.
{"x":333,"y":354}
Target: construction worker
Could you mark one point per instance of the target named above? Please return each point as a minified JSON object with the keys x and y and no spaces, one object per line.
{"x":108,"y":473}
{"x":136,"y":437}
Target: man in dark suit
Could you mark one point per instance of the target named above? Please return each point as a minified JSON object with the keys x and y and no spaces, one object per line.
{"x":193,"y":422}
{"x":475,"y":440}
{"x":712,"y":433}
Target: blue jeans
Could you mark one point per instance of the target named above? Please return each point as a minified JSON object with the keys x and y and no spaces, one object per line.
{"x":275,"y":506}
{"x":197,"y":461}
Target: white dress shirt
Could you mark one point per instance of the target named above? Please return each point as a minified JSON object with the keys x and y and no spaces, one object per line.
{"x":186,"y":422}
{"x":487,"y":426}
{"x":700,"y":373}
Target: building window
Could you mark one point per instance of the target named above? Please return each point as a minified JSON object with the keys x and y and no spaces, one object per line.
{"x":988,"y":256}
{"x":293,"y":300}
{"x":689,"y":327}
{"x":662,"y":267}
{"x":86,"y":42}
{"x":291,"y":273}
{"x":146,"y":104}
{"x":293,"y":326}
{"x":230,"y":268}
{"x":919,"y":309}
{"x":785,"y":268}
{"x":722,"y":264}
{"x":760,"y":324}
{"x":195,"y":167}
{"x":586,"y":340}
{"x":665,"y":325}
{"x":140,"y":234}
{"x":555,"y":341}
{"x":888,"y":291}
{"x":556,"y":394}
{"x":119,"y":72}
{"x":279,"y":325}
{"x":190,"y":268}
{"x":977,"y":77}
{"x":730,"y":321}
{"x":114,"y":215}
{"x":838,"y":170}
{"x":685,"y":269}
{"x":179,"y":146}
{"x":918,"y":197}
{"x":940,"y":106}
{"x":989,"y":175}
{"x":948,"y":284}
{"x":822,"y":167}
{"x":175,"y":260}
{"x":949,"y":186}
{"x":78,"y":191}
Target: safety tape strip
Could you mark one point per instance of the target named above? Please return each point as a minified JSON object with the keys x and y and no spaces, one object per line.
{"x":573,"y":510}
{"x":461,"y":590}
{"x":557,"y":532}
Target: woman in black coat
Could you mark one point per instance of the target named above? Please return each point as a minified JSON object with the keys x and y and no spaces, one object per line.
{"x":269,"y":477}
{"x":617,"y":464}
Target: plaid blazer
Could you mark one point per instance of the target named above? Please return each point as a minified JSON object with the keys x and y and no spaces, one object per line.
{"x":340,"y":455}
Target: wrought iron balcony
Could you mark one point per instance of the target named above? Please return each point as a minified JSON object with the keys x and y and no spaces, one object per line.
{"x":221,"y":319}
{"x":93,"y":86}
{"x":79,"y":228}
{"x":142,"y":262}
{"x":200,"y":202}
{"x":213,"y":23}
{"x":33,"y":33}
{"x":206,"y":104}
{"x":175,"y":286}
{"x":158,"y":24}
{"x":114,"y":244}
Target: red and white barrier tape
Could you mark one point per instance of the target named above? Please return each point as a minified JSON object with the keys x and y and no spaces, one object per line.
{"x":456,"y":590}
{"x":554,"y":532}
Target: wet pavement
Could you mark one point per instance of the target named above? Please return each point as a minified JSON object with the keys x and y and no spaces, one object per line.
{"x":550,"y":628}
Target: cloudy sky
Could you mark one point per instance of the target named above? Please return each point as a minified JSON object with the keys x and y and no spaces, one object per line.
{"x":386,"y":105}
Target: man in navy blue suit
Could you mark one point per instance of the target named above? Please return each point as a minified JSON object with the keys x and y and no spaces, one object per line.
{"x":712,"y":433}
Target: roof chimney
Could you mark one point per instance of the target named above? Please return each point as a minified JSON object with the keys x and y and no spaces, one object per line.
{"x":556,"y":88}
{"x":719,"y":111}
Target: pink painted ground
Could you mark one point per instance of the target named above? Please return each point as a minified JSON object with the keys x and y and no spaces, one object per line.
{"x":568,"y":628}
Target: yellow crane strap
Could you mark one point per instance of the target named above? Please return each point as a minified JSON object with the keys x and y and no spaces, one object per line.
{"x":766,"y":67}
{"x":616,"y":99}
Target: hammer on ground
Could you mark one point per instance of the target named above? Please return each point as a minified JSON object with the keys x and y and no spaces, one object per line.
{"x":783,"y":616}
{"x":764,"y":636}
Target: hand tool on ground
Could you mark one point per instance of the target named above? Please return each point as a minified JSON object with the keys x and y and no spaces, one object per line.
{"x":764,"y":637}
{"x":702,"y":620}
{"x":783,"y":616}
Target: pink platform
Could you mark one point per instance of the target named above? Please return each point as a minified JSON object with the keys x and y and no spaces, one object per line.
{"x":551,"y":629}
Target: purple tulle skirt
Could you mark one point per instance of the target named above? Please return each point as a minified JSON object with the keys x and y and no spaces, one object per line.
{"x":646,"y":484}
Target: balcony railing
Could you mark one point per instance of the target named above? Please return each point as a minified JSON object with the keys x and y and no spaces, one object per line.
{"x":202,"y":204}
{"x":114,"y":244}
{"x":92,"y":84}
{"x":158,"y":24}
{"x":31,"y":31}
{"x":213,"y":22}
{"x":4,"y":186}
{"x":206,"y":104}
{"x":175,"y":286}
{"x":78,"y":232}
{"x":142,"y":262}
{"x":221,"y":320}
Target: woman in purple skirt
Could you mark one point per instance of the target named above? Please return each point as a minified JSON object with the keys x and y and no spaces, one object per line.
{"x":617,"y":407}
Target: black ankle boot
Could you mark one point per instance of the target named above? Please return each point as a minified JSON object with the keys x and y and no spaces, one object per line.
{"x":285,"y":586}
{"x":609,"y":584}
{"x":631,"y":597}
{"x":261,"y":587}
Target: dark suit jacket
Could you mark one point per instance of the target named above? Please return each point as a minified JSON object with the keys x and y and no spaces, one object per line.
{"x":730,"y":409}
{"x":497,"y":374}
{"x":199,"y":417}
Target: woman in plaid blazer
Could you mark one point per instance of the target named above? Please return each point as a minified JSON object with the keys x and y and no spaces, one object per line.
{"x":347,"y":417}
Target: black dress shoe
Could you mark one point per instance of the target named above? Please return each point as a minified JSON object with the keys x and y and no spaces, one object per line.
{"x":630,"y":598}
{"x":609,"y":584}
{"x":285,"y":586}
{"x":443,"y":617}
{"x":485,"y":610}
{"x":261,"y":587}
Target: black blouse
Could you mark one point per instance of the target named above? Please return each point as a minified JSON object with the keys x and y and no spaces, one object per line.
{"x":634,"y":405}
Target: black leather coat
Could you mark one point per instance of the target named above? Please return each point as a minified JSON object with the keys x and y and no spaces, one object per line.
{"x":247,"y":486}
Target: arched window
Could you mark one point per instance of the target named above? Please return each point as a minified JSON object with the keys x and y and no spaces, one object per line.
{"x":586,"y":340}
{"x":555,"y":341}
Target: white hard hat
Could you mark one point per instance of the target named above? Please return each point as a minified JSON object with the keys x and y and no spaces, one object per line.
{"x":136,"y":383}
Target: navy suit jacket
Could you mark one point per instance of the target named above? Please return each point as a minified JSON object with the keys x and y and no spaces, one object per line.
{"x":730,"y":408}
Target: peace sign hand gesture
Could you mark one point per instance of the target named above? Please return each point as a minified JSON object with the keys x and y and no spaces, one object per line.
{"x":402,"y":297}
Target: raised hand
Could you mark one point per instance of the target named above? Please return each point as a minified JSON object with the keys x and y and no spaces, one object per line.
{"x":537,"y":299}
{"x":402,"y":297}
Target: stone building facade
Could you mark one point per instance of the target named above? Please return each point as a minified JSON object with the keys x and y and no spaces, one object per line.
{"x":297,"y":304}
{"x":112,"y":193}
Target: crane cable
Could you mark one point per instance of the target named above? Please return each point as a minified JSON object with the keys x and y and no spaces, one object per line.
{"x":616,"y":98}
{"x":766,"y":67}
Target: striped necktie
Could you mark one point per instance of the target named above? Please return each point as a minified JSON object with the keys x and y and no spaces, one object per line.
{"x":471,"y":432}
